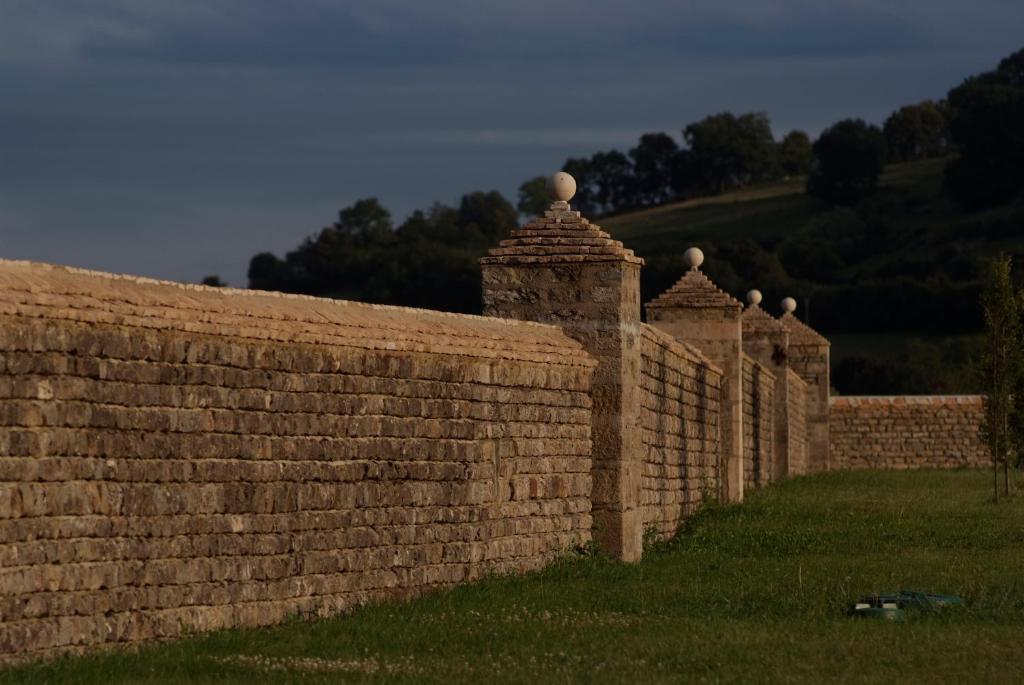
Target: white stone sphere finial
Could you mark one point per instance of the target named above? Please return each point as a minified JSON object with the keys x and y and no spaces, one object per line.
{"x":693,"y":257}
{"x":754,"y":297}
{"x":789,"y":305}
{"x":561,"y":186}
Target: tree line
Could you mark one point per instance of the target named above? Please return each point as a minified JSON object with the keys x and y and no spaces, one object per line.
{"x":430,"y":259}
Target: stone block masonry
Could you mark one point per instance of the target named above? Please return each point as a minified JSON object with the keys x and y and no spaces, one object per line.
{"x":681,"y":436}
{"x":766,"y":341}
{"x":908,"y":432}
{"x":796,"y":421}
{"x":758,"y":424}
{"x":185,"y":458}
{"x":696,"y":311}
{"x":808,"y":355}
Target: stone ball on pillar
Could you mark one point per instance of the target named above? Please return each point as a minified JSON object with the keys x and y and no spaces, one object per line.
{"x":561,"y":186}
{"x":693,"y":257}
{"x":754,"y":297}
{"x":789,"y":305}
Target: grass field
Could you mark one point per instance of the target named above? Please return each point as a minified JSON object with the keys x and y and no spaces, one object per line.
{"x":749,"y":593}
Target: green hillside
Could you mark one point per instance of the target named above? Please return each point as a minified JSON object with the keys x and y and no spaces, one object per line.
{"x":893,"y":281}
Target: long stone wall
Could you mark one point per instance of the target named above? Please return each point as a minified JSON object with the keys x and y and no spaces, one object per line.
{"x":185,"y":458}
{"x":907,"y":432}
{"x":796,"y":416}
{"x":680,"y":419}
{"x":758,"y":422}
{"x":182,"y":458}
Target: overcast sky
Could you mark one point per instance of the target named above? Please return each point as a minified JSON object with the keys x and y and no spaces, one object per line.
{"x":176,"y":138}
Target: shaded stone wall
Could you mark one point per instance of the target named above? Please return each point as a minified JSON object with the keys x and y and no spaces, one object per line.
{"x":183,"y":458}
{"x":809,"y":354}
{"x":908,"y":432}
{"x":758,"y":422}
{"x":796,"y":417}
{"x":695,"y":311}
{"x":681,"y":440}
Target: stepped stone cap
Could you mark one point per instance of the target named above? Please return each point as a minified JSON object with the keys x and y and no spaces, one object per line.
{"x":560,"y":236}
{"x":801,"y":333}
{"x":754,"y":297}
{"x":694,"y":289}
{"x":757,"y":320}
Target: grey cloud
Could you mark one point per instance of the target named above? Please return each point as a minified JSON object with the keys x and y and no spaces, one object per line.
{"x":177,"y":139}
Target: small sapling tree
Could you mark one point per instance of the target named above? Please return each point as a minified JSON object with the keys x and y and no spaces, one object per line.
{"x":1001,"y":366}
{"x":1017,"y":419}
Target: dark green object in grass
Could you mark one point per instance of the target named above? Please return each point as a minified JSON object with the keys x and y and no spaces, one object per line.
{"x":892,"y":607}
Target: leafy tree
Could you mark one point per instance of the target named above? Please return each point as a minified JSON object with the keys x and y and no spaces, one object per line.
{"x":615,"y":184}
{"x":652,"y":167}
{"x":985,"y":116}
{"x":1001,"y":366}
{"x":268,"y":272}
{"x":916,"y":132}
{"x":489,"y":213}
{"x":795,"y":154}
{"x":848,"y":159}
{"x":429,"y":261}
{"x":213,"y":281}
{"x":533,"y":197}
{"x":366,"y":221}
{"x":732,"y":151}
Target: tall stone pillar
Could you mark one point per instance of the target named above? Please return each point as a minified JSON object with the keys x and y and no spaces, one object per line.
{"x":809,"y":357}
{"x":561,"y":269}
{"x":695,"y":311}
{"x":766,"y":340}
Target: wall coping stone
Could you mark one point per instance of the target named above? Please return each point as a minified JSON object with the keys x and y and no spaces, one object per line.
{"x":82,"y":295}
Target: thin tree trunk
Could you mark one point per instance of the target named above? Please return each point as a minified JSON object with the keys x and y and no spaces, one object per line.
{"x":1006,"y":450}
{"x":995,"y":476}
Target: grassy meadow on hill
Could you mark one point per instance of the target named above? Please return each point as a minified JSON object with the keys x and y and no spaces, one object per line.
{"x":755,"y":592}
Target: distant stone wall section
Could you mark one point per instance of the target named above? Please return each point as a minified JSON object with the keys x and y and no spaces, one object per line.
{"x":758,"y":421}
{"x":681,"y":440}
{"x":908,"y":432}
{"x":185,"y":458}
{"x":796,"y":414}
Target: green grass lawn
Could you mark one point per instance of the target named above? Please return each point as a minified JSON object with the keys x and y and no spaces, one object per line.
{"x":748,"y":593}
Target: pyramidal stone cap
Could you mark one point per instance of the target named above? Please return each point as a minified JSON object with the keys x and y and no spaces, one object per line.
{"x":694,"y":289}
{"x":560,"y":236}
{"x":799,"y":332}
{"x":756,"y":320}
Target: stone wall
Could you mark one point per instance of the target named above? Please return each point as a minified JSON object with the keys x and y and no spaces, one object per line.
{"x":185,"y":458}
{"x":758,"y":421}
{"x":796,"y":416}
{"x":907,"y":432}
{"x":680,"y":419}
{"x":808,"y":355}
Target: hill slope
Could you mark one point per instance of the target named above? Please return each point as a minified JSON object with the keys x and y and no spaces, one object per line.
{"x":893,"y":281}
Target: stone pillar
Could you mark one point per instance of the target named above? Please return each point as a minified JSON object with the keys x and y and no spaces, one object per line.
{"x":695,"y":311}
{"x":561,"y":269}
{"x":766,"y":340}
{"x":809,"y":357}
